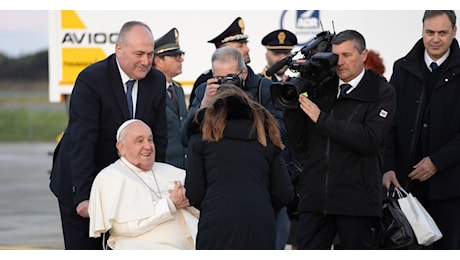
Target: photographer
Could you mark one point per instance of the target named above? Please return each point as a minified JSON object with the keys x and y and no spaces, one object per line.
{"x":340,"y":137}
{"x":228,"y":66}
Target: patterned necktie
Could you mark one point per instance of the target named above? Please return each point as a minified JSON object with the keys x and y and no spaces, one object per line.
{"x":129,"y":96}
{"x":343,"y":90}
{"x":433,"y":66}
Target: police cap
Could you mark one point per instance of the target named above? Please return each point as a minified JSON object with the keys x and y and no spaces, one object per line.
{"x":168,"y":44}
{"x":233,"y":33}
{"x":280,"y":41}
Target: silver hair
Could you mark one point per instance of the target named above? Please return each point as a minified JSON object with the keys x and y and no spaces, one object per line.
{"x":228,"y":54}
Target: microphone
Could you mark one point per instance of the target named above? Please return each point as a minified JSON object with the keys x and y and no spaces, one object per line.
{"x":280,"y":64}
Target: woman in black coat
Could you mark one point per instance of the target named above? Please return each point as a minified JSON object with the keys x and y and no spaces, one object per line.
{"x":236,"y":175}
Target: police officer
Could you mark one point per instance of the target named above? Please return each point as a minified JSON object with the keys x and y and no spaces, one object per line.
{"x":232,"y":36}
{"x":279,"y":44}
{"x":168,"y":58}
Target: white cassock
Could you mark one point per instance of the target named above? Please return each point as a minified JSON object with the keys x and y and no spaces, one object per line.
{"x":131,"y":210}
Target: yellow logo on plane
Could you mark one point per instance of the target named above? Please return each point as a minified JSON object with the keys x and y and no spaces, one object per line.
{"x":70,"y":20}
{"x":75,"y":59}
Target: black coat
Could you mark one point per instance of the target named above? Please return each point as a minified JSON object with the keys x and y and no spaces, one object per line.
{"x":343,"y":152}
{"x":443,"y":145}
{"x":98,"y":107}
{"x":237,"y":184}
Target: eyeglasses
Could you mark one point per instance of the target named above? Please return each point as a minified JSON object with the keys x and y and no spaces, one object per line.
{"x":177,"y":57}
{"x":220,"y":78}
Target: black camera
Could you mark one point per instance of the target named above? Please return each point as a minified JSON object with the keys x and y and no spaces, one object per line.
{"x":232,"y":79}
{"x":316,"y":68}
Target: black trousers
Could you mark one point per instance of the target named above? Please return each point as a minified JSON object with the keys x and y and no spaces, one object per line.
{"x":317,"y":231}
{"x":76,"y":231}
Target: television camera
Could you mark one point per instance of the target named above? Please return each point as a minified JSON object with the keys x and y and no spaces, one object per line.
{"x":315,"y":68}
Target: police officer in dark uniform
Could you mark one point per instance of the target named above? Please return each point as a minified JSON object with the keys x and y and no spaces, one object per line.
{"x":168,"y":58}
{"x":279,"y":44}
{"x":232,"y":36}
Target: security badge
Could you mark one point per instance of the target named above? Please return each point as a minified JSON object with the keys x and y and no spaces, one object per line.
{"x":241,"y":25}
{"x":176,"y":36}
{"x":383,"y":113}
{"x":281,"y":38}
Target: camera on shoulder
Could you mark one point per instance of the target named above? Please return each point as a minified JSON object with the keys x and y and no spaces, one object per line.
{"x":316,"y":67}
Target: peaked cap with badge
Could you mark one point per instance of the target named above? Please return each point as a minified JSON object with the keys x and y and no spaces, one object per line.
{"x":233,"y":33}
{"x":281,"y":41}
{"x":168,"y":44}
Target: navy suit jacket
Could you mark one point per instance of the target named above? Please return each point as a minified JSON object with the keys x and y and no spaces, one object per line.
{"x":97,"y":108}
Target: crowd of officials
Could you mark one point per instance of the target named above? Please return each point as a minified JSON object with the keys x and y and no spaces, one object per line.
{"x":137,"y":168}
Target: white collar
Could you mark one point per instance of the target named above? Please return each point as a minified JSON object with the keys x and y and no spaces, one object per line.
{"x":440,"y":61}
{"x":124,"y":77}
{"x":354,"y":82}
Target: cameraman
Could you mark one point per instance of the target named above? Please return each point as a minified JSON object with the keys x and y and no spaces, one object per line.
{"x":340,"y":137}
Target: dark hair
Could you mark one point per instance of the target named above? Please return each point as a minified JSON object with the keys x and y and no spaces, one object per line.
{"x":449,"y":13}
{"x":350,"y":35}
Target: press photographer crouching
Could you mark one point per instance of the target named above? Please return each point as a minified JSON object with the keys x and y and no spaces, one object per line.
{"x":339,"y":138}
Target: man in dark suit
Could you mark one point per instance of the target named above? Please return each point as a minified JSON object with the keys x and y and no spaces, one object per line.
{"x":99,"y":104}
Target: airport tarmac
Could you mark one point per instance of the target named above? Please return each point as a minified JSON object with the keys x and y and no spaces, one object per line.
{"x":29,"y":214}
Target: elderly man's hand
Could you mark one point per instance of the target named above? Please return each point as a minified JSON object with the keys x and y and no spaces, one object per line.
{"x":177,"y":196}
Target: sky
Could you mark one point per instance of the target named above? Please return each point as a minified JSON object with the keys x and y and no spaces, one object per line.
{"x":23,"y":32}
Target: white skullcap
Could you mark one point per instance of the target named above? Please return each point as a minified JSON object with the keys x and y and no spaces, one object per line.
{"x":124,"y":125}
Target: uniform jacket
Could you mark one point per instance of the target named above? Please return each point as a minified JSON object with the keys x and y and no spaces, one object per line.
{"x":264,"y":74}
{"x":237,"y":184}
{"x":98,"y":107}
{"x":343,"y":152}
{"x":444,"y":121}
{"x":176,"y":152}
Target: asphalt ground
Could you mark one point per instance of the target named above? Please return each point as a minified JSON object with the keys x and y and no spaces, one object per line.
{"x":29,"y":214}
{"x":30,"y":224}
